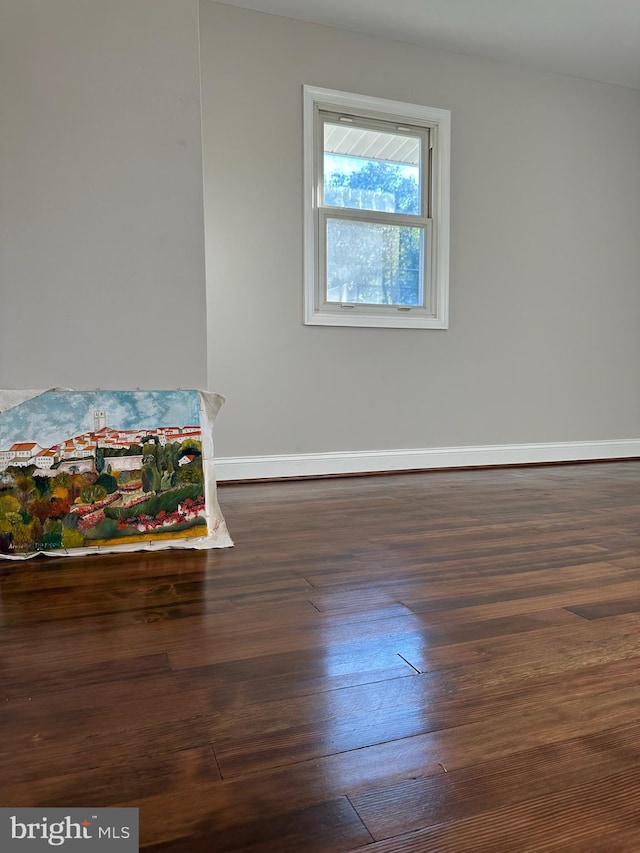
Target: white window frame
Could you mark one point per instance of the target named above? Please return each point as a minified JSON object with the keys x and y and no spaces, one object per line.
{"x":434,"y":314}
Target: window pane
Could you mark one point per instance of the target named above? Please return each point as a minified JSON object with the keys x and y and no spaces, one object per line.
{"x":371,"y":169}
{"x":372,"y":263}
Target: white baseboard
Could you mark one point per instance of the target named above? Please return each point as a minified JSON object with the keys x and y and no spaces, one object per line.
{"x":368,"y":461}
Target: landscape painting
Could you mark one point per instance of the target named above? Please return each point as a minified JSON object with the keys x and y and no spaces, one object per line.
{"x":96,"y":469}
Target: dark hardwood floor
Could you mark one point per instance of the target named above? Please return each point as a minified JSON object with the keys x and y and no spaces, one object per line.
{"x":446,"y":661}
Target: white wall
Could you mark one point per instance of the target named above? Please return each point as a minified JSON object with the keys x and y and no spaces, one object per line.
{"x":101,"y":216}
{"x":543,"y":344}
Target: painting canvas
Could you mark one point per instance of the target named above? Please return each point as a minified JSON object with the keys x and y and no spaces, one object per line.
{"x":87,"y":471}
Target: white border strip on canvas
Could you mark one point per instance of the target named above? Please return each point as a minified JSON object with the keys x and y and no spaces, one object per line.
{"x":364,"y":462}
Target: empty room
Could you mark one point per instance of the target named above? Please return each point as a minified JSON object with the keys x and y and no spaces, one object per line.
{"x":319,"y":429}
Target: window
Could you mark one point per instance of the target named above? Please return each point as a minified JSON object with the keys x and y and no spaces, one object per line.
{"x":376,"y":212}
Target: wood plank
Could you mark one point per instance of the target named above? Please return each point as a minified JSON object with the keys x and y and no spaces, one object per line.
{"x":602,"y":609}
{"x":456,"y":794}
{"x":329,"y":827}
{"x":17,"y":680}
{"x":112,"y":784}
{"x":594,"y":808}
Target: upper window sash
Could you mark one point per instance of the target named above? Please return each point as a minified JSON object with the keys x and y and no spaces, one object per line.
{"x":351,"y":138}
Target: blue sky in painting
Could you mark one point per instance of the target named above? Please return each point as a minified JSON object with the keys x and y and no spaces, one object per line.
{"x":56,"y":415}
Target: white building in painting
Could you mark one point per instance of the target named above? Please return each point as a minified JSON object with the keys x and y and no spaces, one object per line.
{"x":46,"y":459}
{"x":21,"y":453}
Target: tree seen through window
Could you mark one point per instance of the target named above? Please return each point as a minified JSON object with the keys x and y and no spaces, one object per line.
{"x":371,"y":262}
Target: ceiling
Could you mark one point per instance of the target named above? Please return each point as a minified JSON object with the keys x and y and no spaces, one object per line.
{"x":595,"y":39}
